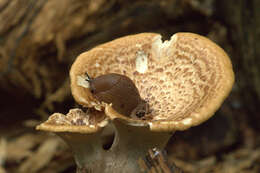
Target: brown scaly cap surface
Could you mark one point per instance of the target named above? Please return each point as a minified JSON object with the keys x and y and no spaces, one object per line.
{"x":185,"y":79}
{"x":75,"y":121}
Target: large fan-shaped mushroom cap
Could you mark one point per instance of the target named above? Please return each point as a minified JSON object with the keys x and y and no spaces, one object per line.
{"x":184,"y":80}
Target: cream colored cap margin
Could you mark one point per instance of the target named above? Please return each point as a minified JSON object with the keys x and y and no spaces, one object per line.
{"x":185,"y":79}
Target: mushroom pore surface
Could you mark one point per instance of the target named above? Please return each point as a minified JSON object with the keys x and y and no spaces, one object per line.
{"x":184,"y":80}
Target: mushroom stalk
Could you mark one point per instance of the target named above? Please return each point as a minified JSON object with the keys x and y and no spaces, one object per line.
{"x":87,"y":151}
{"x":130,"y":144}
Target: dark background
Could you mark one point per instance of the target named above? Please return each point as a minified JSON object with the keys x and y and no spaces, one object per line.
{"x":40,"y":39}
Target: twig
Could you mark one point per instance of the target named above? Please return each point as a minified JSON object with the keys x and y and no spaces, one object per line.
{"x":156,"y":162}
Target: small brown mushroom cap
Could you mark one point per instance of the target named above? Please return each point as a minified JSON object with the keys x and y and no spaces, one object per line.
{"x":185,"y":79}
{"x":75,"y":121}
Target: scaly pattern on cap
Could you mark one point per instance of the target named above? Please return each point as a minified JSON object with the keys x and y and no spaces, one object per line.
{"x":75,"y":121}
{"x":185,"y":79}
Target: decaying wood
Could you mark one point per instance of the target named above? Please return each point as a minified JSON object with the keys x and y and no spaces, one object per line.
{"x":39,"y":40}
{"x":156,"y":161}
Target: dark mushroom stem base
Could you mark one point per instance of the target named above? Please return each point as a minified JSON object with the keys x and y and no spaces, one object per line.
{"x":87,"y":151}
{"x":132,"y":142}
{"x":129,"y":145}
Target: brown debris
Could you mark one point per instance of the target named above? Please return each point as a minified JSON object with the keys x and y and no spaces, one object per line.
{"x":20,"y":148}
{"x":157,"y":162}
{"x":242,"y":161}
{"x":3,"y":153}
{"x":41,"y":157}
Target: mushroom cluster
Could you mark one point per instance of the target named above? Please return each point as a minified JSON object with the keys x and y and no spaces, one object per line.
{"x":139,"y":90}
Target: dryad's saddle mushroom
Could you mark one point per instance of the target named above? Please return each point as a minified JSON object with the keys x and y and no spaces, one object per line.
{"x":176,"y":84}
